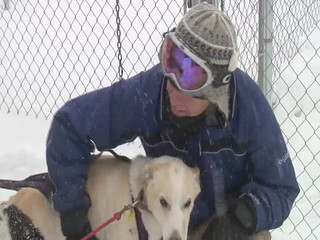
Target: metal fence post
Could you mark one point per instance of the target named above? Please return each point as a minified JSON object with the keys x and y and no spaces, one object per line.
{"x":265,"y":65}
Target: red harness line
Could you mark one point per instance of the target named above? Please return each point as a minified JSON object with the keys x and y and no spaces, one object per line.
{"x":116,"y":216}
{"x":137,"y":203}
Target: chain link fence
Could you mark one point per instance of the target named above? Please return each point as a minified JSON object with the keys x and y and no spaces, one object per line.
{"x":53,"y":51}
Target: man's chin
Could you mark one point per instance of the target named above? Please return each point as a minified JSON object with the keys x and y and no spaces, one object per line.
{"x":179,"y":113}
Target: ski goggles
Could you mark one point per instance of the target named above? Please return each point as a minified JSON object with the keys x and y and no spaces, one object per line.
{"x":189,"y":72}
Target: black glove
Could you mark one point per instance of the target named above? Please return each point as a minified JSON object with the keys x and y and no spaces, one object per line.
{"x":245,"y":212}
{"x":238,"y":223}
{"x":76,"y":225}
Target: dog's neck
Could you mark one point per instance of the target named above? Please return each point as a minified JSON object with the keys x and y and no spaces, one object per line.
{"x":140,"y":203}
{"x":148,"y":220}
{"x":137,"y":184}
{"x":151,"y":225}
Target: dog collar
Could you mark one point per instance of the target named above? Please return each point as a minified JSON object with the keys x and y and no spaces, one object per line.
{"x":139,"y":202}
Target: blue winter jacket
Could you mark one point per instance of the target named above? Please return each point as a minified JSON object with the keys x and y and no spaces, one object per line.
{"x":249,"y":156}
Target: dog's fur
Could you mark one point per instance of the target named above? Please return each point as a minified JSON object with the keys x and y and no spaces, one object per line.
{"x":169,"y":188}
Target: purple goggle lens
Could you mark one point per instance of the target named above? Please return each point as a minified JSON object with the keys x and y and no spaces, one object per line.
{"x":188,"y":74}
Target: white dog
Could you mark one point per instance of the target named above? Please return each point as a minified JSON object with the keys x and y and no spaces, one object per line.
{"x":165,"y":187}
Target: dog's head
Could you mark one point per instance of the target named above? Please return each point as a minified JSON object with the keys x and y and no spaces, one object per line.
{"x":170,"y":188}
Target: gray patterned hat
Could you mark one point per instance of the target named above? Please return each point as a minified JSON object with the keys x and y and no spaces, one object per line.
{"x":210,"y":35}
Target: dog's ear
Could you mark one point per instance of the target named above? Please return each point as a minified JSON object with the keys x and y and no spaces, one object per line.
{"x":196,"y":172}
{"x":150,"y":169}
{"x":139,"y":172}
{"x":148,"y":173}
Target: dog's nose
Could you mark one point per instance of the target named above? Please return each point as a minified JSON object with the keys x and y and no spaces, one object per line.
{"x":175,"y":236}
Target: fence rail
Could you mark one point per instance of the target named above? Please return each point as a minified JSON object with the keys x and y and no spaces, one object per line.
{"x":53,"y":51}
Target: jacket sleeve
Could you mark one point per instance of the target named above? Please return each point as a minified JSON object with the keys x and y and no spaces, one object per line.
{"x":107,"y":118}
{"x":273,"y":186}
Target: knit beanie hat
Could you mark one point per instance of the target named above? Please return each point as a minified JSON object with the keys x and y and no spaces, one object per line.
{"x":209,"y":35}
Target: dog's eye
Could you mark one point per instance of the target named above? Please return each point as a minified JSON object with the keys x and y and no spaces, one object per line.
{"x":187,"y":204}
{"x":164,"y":203}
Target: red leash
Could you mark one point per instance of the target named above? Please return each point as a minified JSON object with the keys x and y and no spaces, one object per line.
{"x":116,"y":216}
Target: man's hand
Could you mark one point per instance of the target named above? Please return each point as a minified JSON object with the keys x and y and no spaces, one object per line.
{"x":237,"y":224}
{"x":75,"y":225}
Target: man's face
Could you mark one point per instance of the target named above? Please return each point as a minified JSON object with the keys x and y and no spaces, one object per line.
{"x":183,"y":105}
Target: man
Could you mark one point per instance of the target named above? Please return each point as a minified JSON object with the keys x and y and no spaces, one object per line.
{"x":195,"y":105}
